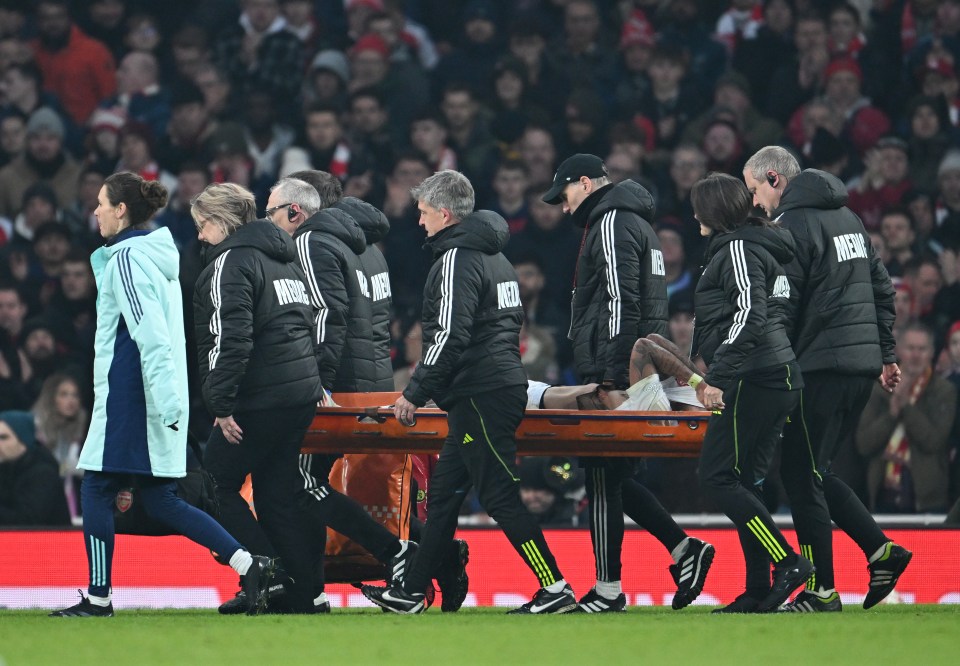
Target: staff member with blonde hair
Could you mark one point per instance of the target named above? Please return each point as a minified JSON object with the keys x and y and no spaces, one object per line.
{"x":140,"y":387}
{"x":258,"y":373}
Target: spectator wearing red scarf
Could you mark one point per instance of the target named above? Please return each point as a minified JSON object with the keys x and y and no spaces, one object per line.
{"x":905,"y":434}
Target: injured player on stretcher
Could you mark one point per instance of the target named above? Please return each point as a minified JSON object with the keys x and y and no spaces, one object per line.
{"x":662,"y":379}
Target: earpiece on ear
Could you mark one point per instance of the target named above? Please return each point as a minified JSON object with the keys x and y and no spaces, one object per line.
{"x":291,"y":213}
{"x":772,"y":179}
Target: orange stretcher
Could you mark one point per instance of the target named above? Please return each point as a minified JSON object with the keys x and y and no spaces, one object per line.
{"x":361,"y":424}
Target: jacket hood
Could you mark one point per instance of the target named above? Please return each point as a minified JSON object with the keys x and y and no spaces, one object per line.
{"x":813,"y":189}
{"x":481,"y":230}
{"x":156,"y":246}
{"x":628,"y":195}
{"x":371,"y":219}
{"x":339,"y":224}
{"x":774,"y":239}
{"x":261,"y":234}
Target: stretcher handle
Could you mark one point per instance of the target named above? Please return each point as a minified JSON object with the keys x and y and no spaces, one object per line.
{"x":374,"y":414}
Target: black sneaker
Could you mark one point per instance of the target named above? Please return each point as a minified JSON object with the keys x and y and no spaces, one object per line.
{"x":690,"y":572}
{"x":808,"y":602}
{"x":399,"y":564}
{"x":885,"y":572}
{"x":85,"y":608}
{"x":453,"y":580}
{"x":742,"y":604}
{"x":240,"y":603}
{"x":236,"y":606}
{"x":395,"y":600}
{"x":786,"y":578}
{"x":545,"y":602}
{"x":592,"y":602}
{"x":256,"y":583}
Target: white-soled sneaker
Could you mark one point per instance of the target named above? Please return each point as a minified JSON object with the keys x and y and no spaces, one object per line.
{"x":545,"y":602}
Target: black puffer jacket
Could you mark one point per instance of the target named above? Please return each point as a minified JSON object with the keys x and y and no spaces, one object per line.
{"x":841,"y":303}
{"x":31,"y":492}
{"x":741,"y":303}
{"x":329,"y":245}
{"x":254,"y":324}
{"x":621,"y":291}
{"x":471,"y":315}
{"x":375,"y":227}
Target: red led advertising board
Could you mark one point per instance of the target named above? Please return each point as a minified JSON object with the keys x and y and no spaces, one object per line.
{"x":44,"y":570}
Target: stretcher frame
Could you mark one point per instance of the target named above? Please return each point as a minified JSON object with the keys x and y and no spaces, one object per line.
{"x":363,"y":424}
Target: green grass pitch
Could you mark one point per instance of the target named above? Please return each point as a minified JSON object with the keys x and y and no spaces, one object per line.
{"x":885,"y":635}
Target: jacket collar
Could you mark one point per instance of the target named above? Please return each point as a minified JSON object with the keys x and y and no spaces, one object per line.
{"x":129,"y":232}
{"x":581,"y":216}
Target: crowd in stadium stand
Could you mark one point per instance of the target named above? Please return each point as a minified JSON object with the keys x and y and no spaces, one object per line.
{"x":383,"y":93}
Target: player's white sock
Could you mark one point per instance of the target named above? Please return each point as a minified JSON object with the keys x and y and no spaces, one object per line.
{"x":880,"y":552}
{"x":99,"y":601}
{"x":608,"y":589}
{"x":241,"y":562}
{"x":678,"y":552}
{"x":321,"y":599}
{"x":557,"y":587}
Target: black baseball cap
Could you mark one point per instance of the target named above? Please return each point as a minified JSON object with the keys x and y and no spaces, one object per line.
{"x":574,"y":168}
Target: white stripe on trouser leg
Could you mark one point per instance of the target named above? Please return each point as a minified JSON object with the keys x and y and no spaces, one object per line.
{"x":599,"y":501}
{"x":604,"y":521}
{"x":93,"y":562}
{"x":98,"y":576}
{"x":102,"y":548}
{"x":96,"y":558}
{"x":309,"y":482}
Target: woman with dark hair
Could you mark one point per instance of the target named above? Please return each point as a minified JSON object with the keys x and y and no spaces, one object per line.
{"x":140,"y":385}
{"x":259,"y":375}
{"x":929,"y":134}
{"x":510,"y":104}
{"x":753,"y":381}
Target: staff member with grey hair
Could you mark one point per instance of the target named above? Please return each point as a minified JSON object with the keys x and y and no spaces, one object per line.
{"x":471,"y":368}
{"x":329,"y":243}
{"x":374,"y":368}
{"x":841,"y":327}
{"x":619,"y":296}
{"x":258,"y":373}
